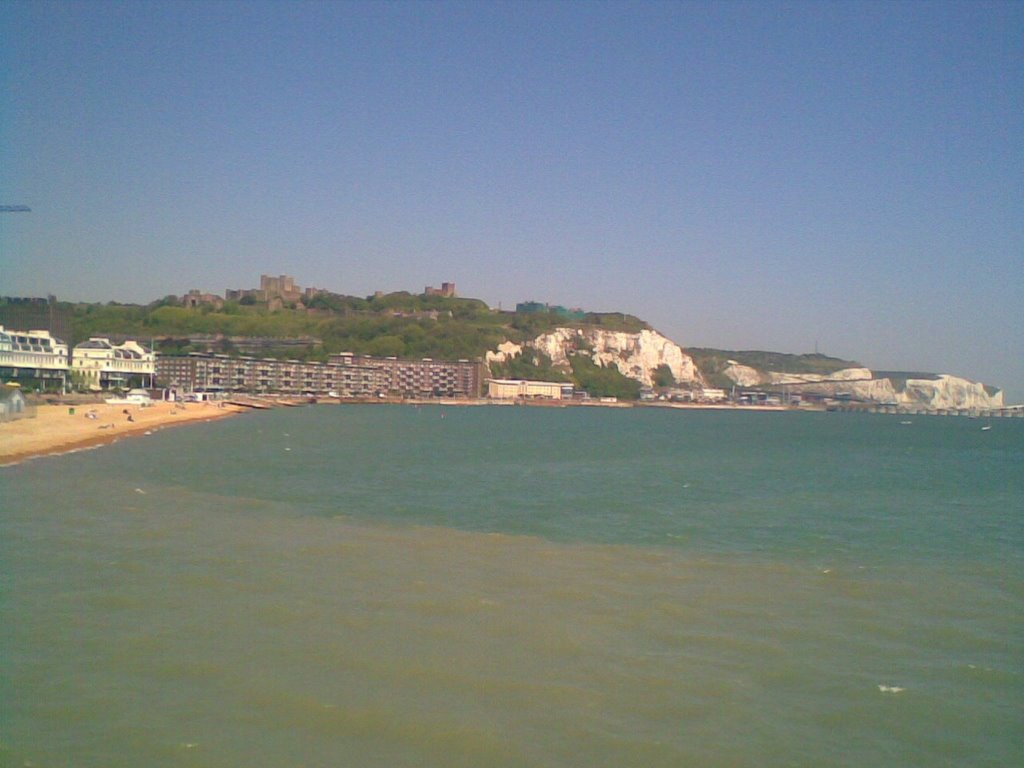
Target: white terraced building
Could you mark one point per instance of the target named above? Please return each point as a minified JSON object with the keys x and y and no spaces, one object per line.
{"x":33,"y":359}
{"x":99,"y":364}
{"x":511,"y":389}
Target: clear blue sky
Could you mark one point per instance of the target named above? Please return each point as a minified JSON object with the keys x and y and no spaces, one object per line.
{"x":742,"y":175}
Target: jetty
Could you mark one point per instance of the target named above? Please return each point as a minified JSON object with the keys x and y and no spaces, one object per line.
{"x":1006,"y":412}
{"x":267,"y":403}
{"x":251,"y":402}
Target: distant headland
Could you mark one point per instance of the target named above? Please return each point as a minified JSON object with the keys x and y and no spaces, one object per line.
{"x":566,"y":353}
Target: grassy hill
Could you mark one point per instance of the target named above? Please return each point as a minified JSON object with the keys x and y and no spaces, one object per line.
{"x":403,"y":325}
{"x":397,"y":324}
{"x":712,"y":363}
{"x":400,"y":324}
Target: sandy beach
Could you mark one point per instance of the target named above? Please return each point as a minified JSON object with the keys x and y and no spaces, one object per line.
{"x":55,"y":429}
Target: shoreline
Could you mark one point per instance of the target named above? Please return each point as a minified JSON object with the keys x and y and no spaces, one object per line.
{"x":58,"y":429}
{"x":66,"y":428}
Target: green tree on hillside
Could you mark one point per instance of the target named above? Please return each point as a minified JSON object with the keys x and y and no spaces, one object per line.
{"x":662,"y":376}
{"x":531,"y":364}
{"x":599,"y":381}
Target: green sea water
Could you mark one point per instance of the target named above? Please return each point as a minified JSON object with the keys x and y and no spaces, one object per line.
{"x":501,"y":586}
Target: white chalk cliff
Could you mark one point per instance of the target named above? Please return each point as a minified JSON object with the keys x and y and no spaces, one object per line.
{"x":506,"y":351}
{"x":846,"y":374}
{"x":743,"y":375}
{"x":943,"y":392}
{"x":949,"y":392}
{"x":636,"y":355}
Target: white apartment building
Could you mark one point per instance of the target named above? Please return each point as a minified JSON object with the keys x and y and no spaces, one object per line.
{"x":99,"y":364}
{"x":510,"y":389}
{"x":34,"y":359}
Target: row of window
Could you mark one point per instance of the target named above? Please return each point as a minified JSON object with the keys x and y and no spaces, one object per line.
{"x":37,"y":348}
{"x":32,"y":358}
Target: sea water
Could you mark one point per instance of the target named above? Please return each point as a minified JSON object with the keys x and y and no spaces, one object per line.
{"x":442,"y":586}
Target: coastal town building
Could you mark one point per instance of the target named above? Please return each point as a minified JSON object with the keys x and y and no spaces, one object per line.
{"x":512,"y":389}
{"x":310,"y":292}
{"x":345,"y":375}
{"x":282,"y":286}
{"x":275,"y":291}
{"x":100,"y":364}
{"x":712,"y":395}
{"x":249,"y":345}
{"x":419,"y":378}
{"x":446,"y":290}
{"x":204,"y":372}
{"x":33,"y":359}
{"x":196,"y":298}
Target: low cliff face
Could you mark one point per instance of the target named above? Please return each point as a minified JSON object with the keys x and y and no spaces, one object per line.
{"x":943,"y":392}
{"x":506,"y":350}
{"x":949,"y":392}
{"x":846,"y":374}
{"x":743,"y":375}
{"x":636,"y":355}
{"x":865,"y":390}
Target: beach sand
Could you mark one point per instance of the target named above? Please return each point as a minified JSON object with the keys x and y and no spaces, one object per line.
{"x":55,"y":429}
